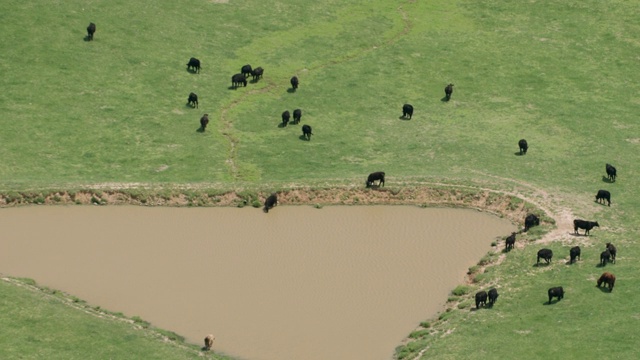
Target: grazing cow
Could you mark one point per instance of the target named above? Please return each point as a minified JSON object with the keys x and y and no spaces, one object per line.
{"x":510,"y":241}
{"x":448,"y":90}
{"x":608,"y":279}
{"x":481,"y":299}
{"x":583,"y":224}
{"x":557,"y":292}
{"x":603,"y":195}
{"x":90,"y":30}
{"x":193,"y":65}
{"x":574,"y":253}
{"x":407,"y":111}
{"x":238,"y":79}
{"x":545,"y":254}
{"x":306,"y":132}
{"x":208,"y":342}
{"x":285,"y":117}
{"x":530,"y":221}
{"x":257,"y":73}
{"x":493,"y":296}
{"x":193,"y":100}
{"x":376,"y":176}
{"x":297,"y":114}
{"x":270,"y":202}
{"x":523,"y":146}
{"x":246,"y":70}
{"x":613,"y":251}
{"x":611,"y":172}
{"x":605,"y":257}
{"x":204,"y":121}
{"x":294,"y":82}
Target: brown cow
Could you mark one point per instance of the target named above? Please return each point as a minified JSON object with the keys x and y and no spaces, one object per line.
{"x":608,"y":279}
{"x":208,"y":342}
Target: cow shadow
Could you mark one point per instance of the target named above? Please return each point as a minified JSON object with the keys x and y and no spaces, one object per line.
{"x":541,"y":264}
{"x":254,"y":81}
{"x":402,"y":117}
{"x":599,"y":265}
{"x":553,"y":302}
{"x":232,"y":87}
{"x":192,"y":71}
{"x":302,"y":137}
{"x":282,"y":126}
{"x":444,"y":99}
{"x":200,"y":129}
{"x":604,"y":289}
{"x":607,"y":180}
{"x":291,"y":90}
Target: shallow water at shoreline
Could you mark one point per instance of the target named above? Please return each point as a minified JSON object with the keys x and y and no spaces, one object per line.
{"x":342,"y":282}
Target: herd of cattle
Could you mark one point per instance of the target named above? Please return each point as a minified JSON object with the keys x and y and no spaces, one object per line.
{"x":607,"y":256}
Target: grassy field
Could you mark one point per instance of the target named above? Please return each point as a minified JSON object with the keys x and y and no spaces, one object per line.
{"x":562,"y":74}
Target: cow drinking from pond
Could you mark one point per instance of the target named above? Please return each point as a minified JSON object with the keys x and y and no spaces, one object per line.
{"x":208,"y":342}
{"x":270,"y":202}
{"x":376,"y":176}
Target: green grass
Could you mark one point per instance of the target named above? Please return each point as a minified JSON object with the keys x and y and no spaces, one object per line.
{"x":562,"y":74}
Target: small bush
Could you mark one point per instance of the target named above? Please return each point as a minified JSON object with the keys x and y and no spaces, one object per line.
{"x":256,"y":203}
{"x":461,"y":290}
{"x":419,"y":334}
{"x":425,"y":324}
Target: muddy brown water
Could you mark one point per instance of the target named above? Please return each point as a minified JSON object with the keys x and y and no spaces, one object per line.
{"x":296,"y":283}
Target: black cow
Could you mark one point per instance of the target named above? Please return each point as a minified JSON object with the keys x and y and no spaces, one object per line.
{"x":294,"y":82}
{"x":574,"y":253}
{"x":407,"y":111}
{"x":376,"y":176}
{"x":611,"y":172}
{"x":583,"y":224}
{"x":306,"y":132}
{"x":557,"y":292}
{"x":530,"y":221}
{"x":603,"y":195}
{"x":193,"y":65}
{"x":448,"y":90}
{"x":493,"y":296}
{"x":90,"y":30}
{"x":608,"y":279}
{"x":246,"y":70}
{"x":204,"y":121}
{"x":238,"y":79}
{"x":545,"y":254}
{"x":270,"y":202}
{"x":510,"y":241}
{"x":481,"y":299}
{"x":285,"y":117}
{"x":297,"y":114}
{"x":605,"y":257}
{"x":523,"y":146}
{"x":193,"y":100}
{"x":257,"y":73}
{"x":613,"y":251}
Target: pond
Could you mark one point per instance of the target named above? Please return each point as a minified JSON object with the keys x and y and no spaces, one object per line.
{"x":341,"y":282}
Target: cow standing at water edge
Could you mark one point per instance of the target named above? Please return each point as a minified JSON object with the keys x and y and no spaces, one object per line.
{"x":91,"y":29}
{"x":523,"y":146}
{"x":611,"y":172}
{"x":510,"y":241}
{"x":584,"y":224}
{"x":208,"y":342}
{"x":376,"y":176}
{"x":603,"y":195}
{"x":270,"y":202}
